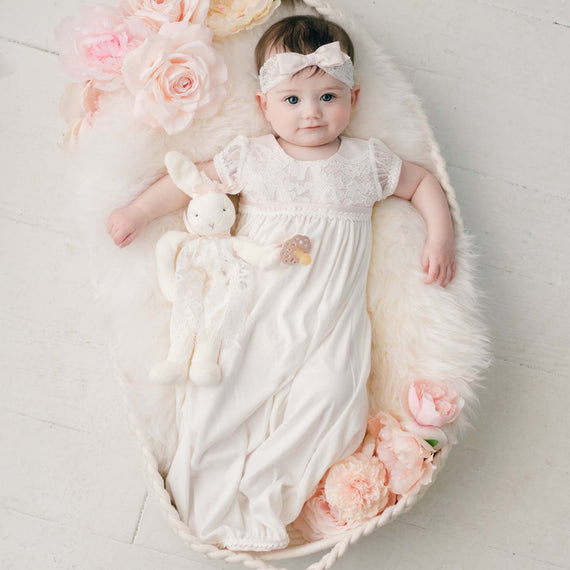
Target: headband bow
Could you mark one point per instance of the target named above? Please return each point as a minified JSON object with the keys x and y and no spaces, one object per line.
{"x":328,"y":55}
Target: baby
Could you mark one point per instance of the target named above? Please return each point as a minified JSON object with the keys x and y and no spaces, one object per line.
{"x":294,"y":398}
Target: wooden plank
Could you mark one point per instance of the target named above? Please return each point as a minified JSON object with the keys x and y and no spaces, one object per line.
{"x":504,"y":486}
{"x":478,"y":42}
{"x":517,"y":228}
{"x":30,"y":149}
{"x":502,"y":134}
{"x":69,"y":476}
{"x":33,"y":23}
{"x":36,"y":544}
{"x":550,"y":11}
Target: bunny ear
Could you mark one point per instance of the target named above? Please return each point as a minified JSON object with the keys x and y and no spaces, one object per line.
{"x":182,"y":171}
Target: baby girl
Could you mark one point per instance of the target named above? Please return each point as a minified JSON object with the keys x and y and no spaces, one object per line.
{"x":294,"y":398}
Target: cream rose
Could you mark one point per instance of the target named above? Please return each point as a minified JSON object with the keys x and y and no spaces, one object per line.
{"x":155,"y":13}
{"x":175,"y":76}
{"x":227,"y":17}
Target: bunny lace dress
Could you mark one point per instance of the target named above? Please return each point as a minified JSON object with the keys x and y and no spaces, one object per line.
{"x":293,"y":396}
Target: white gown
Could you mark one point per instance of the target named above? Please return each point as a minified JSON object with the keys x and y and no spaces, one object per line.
{"x":293,"y":397}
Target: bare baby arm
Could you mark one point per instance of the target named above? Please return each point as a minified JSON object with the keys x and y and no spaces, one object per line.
{"x":426,"y":194}
{"x":163,"y":197}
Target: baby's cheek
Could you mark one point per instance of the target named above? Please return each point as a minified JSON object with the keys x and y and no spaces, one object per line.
{"x":341,"y":113}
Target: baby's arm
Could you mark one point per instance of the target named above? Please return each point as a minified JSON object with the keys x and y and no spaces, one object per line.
{"x":426,"y":194}
{"x":125,"y":224}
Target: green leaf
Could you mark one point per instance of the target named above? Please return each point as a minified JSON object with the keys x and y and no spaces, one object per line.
{"x":432,"y":442}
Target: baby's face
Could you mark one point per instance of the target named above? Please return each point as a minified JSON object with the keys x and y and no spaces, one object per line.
{"x":309,"y":110}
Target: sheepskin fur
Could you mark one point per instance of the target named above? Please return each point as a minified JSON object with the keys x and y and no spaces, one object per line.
{"x":418,"y":330}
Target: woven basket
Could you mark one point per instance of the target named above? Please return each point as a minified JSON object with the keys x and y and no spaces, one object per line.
{"x":418,"y":330}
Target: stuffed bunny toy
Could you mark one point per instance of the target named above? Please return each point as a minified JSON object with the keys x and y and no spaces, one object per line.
{"x":206,"y":274}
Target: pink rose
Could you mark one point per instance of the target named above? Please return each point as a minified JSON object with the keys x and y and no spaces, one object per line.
{"x":95,"y":42}
{"x":175,"y":76}
{"x":406,"y":456}
{"x":431,"y":405}
{"x":155,"y":13}
{"x":78,"y":107}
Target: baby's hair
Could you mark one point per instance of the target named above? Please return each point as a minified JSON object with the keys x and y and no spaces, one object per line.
{"x":301,"y":34}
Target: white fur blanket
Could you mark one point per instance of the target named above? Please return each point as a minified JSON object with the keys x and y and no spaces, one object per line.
{"x":418,"y":330}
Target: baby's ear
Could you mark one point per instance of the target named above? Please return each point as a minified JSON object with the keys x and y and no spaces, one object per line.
{"x":354,"y":95}
{"x":183,"y":171}
{"x":262,"y":101}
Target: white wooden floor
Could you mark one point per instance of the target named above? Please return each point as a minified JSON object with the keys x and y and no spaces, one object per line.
{"x":494,"y":77}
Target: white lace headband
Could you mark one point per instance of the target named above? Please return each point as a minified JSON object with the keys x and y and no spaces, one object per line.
{"x":328,"y":57}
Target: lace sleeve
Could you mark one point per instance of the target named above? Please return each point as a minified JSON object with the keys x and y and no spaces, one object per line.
{"x":387,"y":167}
{"x":229,"y":161}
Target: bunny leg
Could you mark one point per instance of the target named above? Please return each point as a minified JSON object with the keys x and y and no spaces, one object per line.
{"x":204,"y":369}
{"x":186,"y":311}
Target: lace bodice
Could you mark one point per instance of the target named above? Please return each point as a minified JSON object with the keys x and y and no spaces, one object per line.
{"x":359,"y":174}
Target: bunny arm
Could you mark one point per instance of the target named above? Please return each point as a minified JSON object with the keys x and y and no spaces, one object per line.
{"x":264,"y":256}
{"x":166,"y":251}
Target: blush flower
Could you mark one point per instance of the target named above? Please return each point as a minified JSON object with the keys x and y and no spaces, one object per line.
{"x":155,"y":13}
{"x":175,"y":76}
{"x":432,"y":407}
{"x":78,"y":106}
{"x":355,"y":487}
{"x":318,"y":519}
{"x":231,"y":16}
{"x":406,"y":456}
{"x":95,"y":42}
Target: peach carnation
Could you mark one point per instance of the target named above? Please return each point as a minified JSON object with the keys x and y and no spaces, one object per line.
{"x":175,"y":76}
{"x":318,"y":519}
{"x":227,"y":17}
{"x":355,"y":487}
{"x":155,"y":13}
{"x":95,"y":42}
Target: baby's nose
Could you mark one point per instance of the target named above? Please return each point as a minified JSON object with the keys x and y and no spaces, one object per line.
{"x":312,"y":109}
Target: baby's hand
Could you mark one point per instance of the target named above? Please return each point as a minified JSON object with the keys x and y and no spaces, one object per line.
{"x":125,"y":224}
{"x":438,"y":261}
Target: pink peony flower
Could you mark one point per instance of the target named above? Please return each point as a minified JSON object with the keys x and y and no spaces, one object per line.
{"x":175,"y":76}
{"x":95,"y":42}
{"x":431,"y":403}
{"x":155,"y":13}
{"x":406,"y":456}
{"x":231,"y":16}
{"x":78,"y":106}
{"x":432,"y":407}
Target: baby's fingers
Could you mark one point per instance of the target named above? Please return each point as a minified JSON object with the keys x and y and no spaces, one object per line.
{"x":127,"y":239}
{"x":434,"y":271}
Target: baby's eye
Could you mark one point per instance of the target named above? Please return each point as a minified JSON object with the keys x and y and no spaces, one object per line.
{"x":292,"y":99}
{"x":328,"y":97}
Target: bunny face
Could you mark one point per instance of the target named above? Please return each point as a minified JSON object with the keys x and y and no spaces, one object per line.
{"x":210,"y":214}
